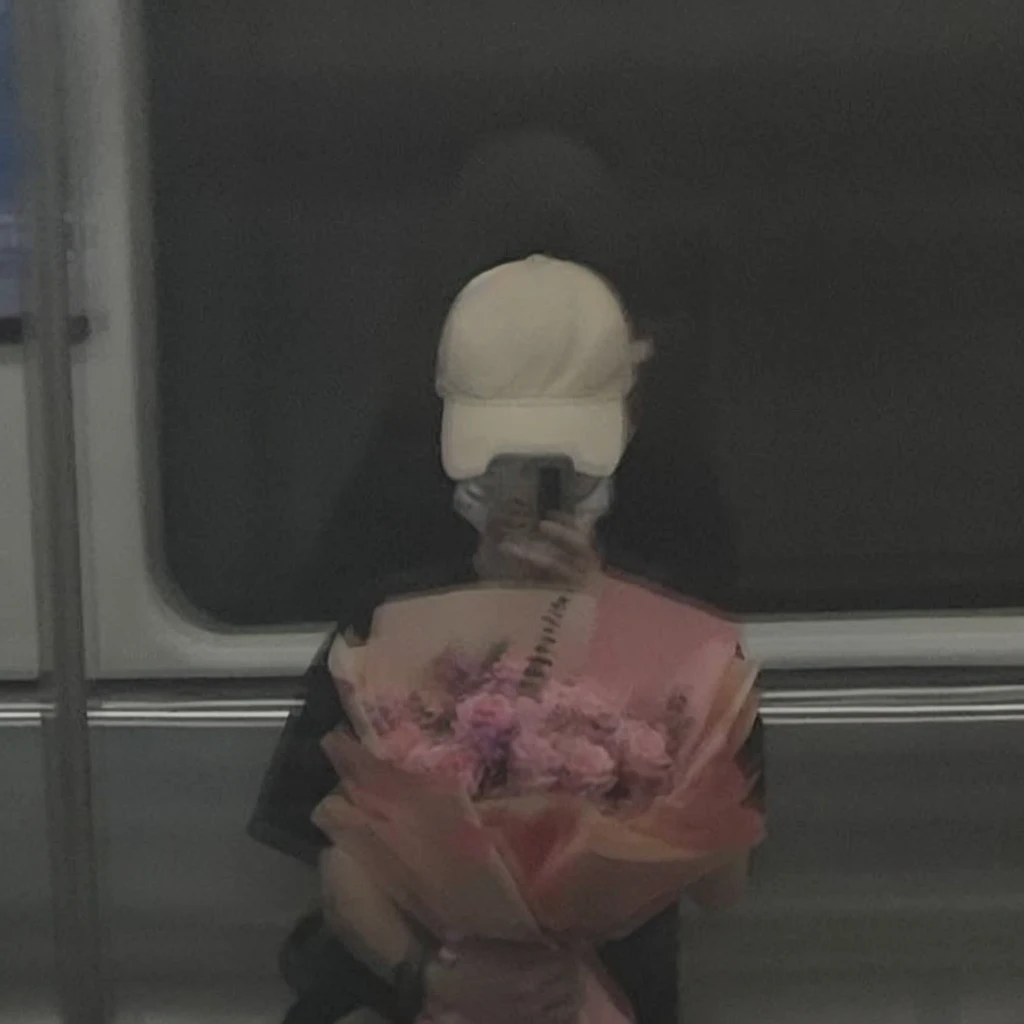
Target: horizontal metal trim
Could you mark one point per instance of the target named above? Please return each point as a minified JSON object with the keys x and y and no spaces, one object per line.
{"x":897,"y":705}
{"x":867,"y":705}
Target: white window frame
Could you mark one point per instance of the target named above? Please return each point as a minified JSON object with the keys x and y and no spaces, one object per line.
{"x":134,"y":628}
{"x":19,"y":654}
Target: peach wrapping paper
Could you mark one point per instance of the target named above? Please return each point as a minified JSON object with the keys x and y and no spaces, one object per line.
{"x":523,"y":868}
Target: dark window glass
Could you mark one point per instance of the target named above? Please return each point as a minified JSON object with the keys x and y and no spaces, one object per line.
{"x":824,"y":231}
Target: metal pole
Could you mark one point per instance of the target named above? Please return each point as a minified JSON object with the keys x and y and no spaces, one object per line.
{"x":42,"y":63}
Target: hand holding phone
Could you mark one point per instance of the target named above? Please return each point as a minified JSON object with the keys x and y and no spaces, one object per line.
{"x":526,"y":492}
{"x":535,"y":501}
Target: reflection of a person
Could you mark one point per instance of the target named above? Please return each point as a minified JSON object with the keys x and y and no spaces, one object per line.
{"x":555,"y":334}
{"x":521,"y":194}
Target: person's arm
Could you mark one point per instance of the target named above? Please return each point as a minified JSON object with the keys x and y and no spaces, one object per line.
{"x":366,"y":919}
{"x":329,"y":978}
{"x":331,"y":982}
{"x":299,"y":775}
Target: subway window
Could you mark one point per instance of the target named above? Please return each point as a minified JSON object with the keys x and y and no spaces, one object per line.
{"x":819,"y":224}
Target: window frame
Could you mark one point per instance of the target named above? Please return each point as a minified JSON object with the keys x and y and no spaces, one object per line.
{"x":138,"y":626}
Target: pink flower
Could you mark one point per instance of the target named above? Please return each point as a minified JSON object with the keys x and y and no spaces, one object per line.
{"x":446,"y":761}
{"x":536,"y":763}
{"x":589,"y":768}
{"x":644,"y":753}
{"x":506,"y":675}
{"x":596,"y":713}
{"x":530,"y":712}
{"x":490,"y":713}
{"x":401,"y":740}
{"x":574,"y":709}
{"x":560,"y":714}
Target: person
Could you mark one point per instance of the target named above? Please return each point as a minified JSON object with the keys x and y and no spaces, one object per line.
{"x":518,"y":193}
{"x":538,"y":357}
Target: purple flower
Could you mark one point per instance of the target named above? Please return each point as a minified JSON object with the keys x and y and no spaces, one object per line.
{"x":456,"y":672}
{"x":490,"y":713}
{"x":505,"y":676}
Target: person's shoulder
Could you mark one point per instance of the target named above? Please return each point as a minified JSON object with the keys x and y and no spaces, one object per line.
{"x":628,"y":567}
{"x":426,"y":577}
{"x":422,"y":578}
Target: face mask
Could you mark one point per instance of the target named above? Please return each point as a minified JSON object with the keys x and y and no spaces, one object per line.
{"x":592,"y":500}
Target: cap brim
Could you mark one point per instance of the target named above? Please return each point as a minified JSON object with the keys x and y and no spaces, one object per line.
{"x":591,"y":433}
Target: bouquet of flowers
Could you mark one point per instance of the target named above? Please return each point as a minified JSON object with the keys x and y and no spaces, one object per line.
{"x":536,"y":764}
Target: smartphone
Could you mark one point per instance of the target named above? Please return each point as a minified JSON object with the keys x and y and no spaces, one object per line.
{"x":552,"y":496}
{"x":530,"y":490}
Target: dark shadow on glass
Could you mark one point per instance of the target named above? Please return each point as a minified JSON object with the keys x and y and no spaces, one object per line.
{"x":834,"y":286}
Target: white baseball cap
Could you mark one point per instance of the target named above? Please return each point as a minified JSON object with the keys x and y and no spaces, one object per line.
{"x":536,"y":359}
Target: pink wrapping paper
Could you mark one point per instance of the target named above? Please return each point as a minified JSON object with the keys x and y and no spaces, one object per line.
{"x":523,"y":868}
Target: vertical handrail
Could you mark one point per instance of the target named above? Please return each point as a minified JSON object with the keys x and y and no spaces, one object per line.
{"x":42,"y":64}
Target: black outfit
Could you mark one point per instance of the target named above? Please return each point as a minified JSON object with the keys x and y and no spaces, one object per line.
{"x":329,"y":980}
